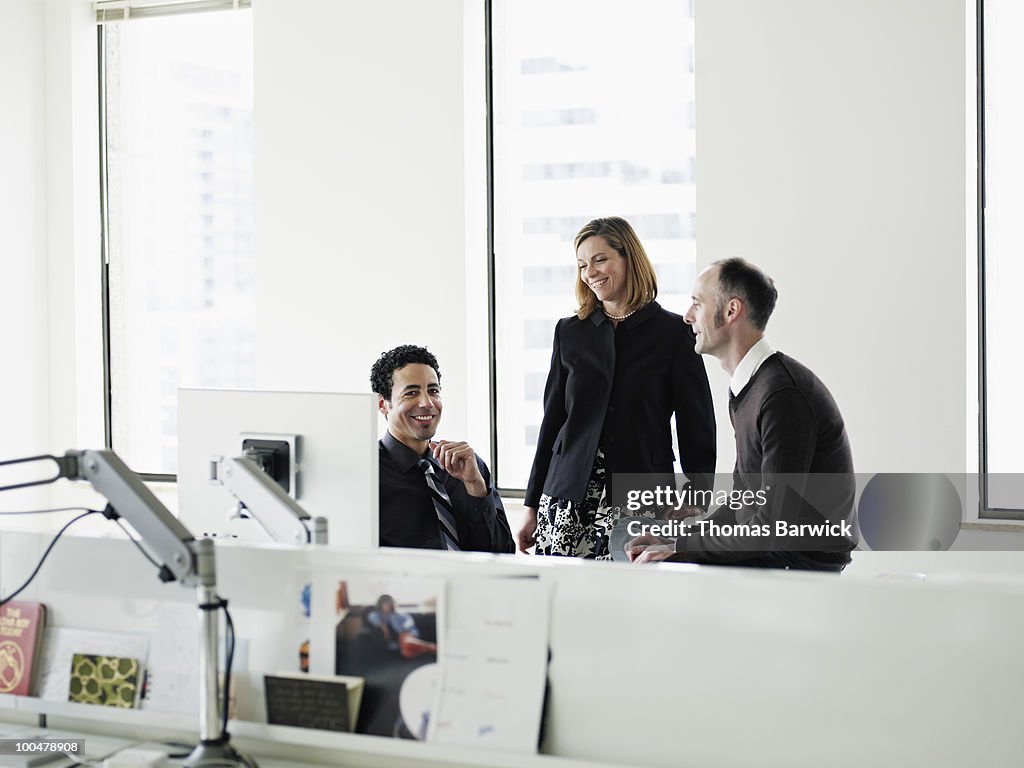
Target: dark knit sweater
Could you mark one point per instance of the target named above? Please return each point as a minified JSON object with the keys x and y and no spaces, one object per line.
{"x":789,"y":435}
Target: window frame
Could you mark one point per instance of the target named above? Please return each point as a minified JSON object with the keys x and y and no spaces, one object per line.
{"x":101,"y":68}
{"x":492,"y":342}
{"x":116,"y":12}
{"x":986,"y":510}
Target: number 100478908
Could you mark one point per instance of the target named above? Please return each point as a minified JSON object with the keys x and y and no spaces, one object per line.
{"x":38,"y":745}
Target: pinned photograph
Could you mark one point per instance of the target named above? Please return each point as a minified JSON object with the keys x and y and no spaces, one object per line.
{"x":387,"y":633}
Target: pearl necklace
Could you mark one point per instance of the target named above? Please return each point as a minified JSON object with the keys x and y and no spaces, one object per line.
{"x":617,"y":317}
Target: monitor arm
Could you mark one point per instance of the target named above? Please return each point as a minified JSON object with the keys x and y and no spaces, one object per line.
{"x":170,"y":541}
{"x":185,"y":559}
{"x":277,"y":512}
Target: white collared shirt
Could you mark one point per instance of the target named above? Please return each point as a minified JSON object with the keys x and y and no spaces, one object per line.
{"x":748,"y":366}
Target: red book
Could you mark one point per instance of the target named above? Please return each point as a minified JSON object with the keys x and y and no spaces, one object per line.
{"x":21,"y":634}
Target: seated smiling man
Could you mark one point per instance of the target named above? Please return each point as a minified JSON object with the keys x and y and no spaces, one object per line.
{"x":433,"y":495}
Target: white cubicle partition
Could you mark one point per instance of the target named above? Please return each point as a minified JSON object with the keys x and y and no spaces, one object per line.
{"x":656,"y":666}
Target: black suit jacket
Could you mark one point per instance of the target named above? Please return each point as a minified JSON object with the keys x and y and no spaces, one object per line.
{"x":618,"y":387}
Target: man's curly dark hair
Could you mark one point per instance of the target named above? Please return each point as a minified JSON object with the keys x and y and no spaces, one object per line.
{"x":382,"y":373}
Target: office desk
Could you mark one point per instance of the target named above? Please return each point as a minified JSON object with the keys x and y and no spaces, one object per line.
{"x":659,"y":666}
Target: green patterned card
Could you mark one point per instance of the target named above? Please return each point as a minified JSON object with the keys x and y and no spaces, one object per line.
{"x":111,"y":681}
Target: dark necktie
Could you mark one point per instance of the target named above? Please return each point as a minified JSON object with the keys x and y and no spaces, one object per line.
{"x":442,"y":506}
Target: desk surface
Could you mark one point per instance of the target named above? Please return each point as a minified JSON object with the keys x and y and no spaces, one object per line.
{"x":923,"y":673}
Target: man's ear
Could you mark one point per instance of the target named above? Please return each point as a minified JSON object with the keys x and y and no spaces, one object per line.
{"x":383,"y":405}
{"x":733,"y":309}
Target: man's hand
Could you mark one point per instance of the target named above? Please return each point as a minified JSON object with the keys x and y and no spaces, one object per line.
{"x":528,"y":533}
{"x":684,"y":512}
{"x":459,"y":461}
{"x":649,"y":549}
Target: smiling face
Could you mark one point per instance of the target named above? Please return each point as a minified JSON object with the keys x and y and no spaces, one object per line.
{"x":705,"y":316}
{"x":414,"y":409}
{"x":602,"y":269}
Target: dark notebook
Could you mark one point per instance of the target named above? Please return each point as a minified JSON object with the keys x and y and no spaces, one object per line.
{"x":302,"y":701}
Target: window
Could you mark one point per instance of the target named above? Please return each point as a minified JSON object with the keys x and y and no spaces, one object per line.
{"x":178,"y":193}
{"x":1002,"y":269}
{"x":592,"y":116}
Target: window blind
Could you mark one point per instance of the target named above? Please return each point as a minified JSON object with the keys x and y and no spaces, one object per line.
{"x":109,"y":11}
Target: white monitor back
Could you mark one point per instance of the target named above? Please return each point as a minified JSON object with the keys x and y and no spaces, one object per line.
{"x":337,"y":458}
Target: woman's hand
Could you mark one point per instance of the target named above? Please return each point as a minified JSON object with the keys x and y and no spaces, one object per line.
{"x":528,"y":533}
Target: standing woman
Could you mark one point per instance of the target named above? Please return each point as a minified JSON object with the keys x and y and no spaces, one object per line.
{"x":620,"y":368}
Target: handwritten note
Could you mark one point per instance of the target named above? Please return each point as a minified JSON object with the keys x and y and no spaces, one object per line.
{"x":494,"y":664}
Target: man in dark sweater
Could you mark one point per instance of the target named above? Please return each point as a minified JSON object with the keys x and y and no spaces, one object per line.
{"x":792,"y":453}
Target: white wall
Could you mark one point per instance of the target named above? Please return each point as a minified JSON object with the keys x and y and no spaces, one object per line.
{"x":360,"y":203}
{"x":73,"y":225}
{"x":831,"y":153}
{"x":24,"y":302}
{"x":50,"y":294}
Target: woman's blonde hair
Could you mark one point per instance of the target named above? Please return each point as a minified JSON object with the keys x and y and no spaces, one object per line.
{"x":641,"y":282}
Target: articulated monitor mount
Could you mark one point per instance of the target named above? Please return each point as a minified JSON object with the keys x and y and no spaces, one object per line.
{"x":266,"y":501}
{"x":184,"y":559}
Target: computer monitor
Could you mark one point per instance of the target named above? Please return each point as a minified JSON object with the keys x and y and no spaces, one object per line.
{"x":332,"y":441}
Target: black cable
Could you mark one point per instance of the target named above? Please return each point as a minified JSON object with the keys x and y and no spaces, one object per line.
{"x":180,"y":749}
{"x":47,"y":511}
{"x":229,"y":658}
{"x":42,"y":560}
{"x":138,"y":546}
